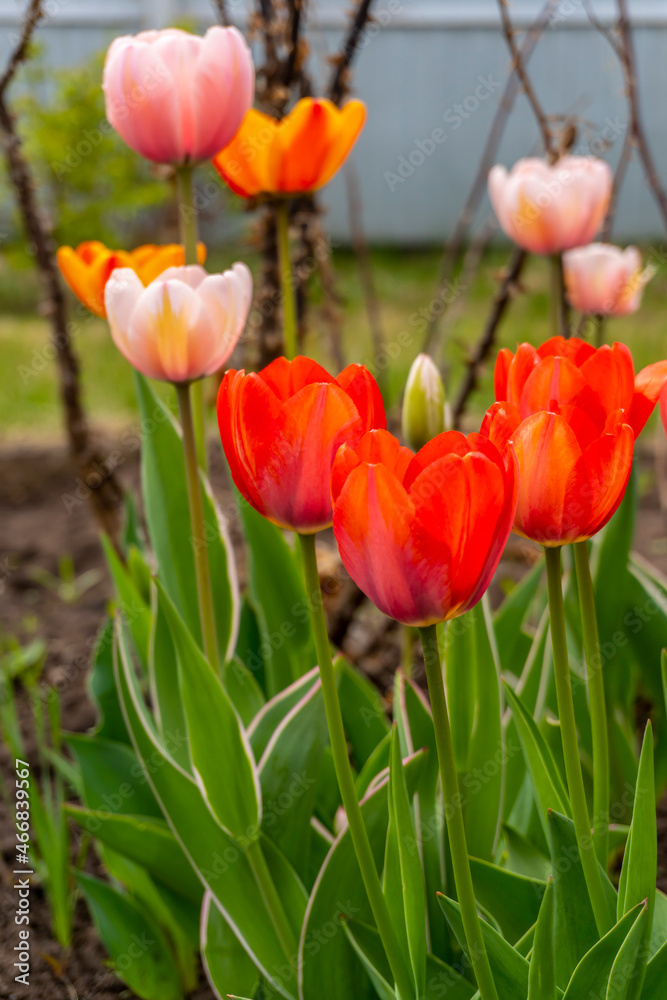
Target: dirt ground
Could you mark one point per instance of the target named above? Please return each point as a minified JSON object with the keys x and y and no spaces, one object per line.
{"x":36,"y":530}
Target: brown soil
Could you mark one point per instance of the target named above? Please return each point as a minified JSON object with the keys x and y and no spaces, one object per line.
{"x":36,"y":530}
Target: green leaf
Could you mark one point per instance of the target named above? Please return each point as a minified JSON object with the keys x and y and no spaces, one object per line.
{"x":377,"y":762}
{"x":177,"y":917}
{"x":168,"y":518}
{"x":640,"y":863}
{"x":415,"y":726}
{"x":102,"y":689}
{"x":125,"y":928}
{"x":269,"y":717}
{"x":510,"y":969}
{"x":508,"y":620}
{"x":223,"y":763}
{"x":575,"y":931}
{"x":364,"y":714}
{"x":542,"y":974}
{"x":628,"y":970}
{"x":367,"y":945}
{"x":221,"y":864}
{"x":513,"y":900}
{"x":523,"y":857}
{"x":288,"y":775}
{"x":412,"y":877}
{"x":112,"y":776}
{"x":329,"y":968}
{"x":226,"y":964}
{"x":245,"y":693}
{"x":547,"y":785}
{"x":655,"y":981}
{"x":591,"y":975}
{"x":133,"y":607}
{"x":482,"y":785}
{"x":147,"y":841}
{"x":283,"y":612}
{"x":166,"y":697}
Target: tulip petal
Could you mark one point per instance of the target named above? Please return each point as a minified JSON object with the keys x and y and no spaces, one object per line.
{"x":648,"y":386}
{"x":362,"y":388}
{"x":608,"y":465}
{"x":499,"y":424}
{"x":373,"y":522}
{"x":553,"y":501}
{"x":442,"y":445}
{"x":349,"y":124}
{"x":556,"y":382}
{"x":523,"y":363}
{"x":501,"y":373}
{"x":285,"y":378}
{"x":573,"y":349}
{"x":611,"y":375}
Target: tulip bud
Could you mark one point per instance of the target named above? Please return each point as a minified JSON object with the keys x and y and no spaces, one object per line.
{"x":423,"y":403}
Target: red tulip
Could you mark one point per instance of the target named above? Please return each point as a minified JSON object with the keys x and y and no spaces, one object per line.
{"x":422,"y":534}
{"x":572,"y":413}
{"x":281,"y":429}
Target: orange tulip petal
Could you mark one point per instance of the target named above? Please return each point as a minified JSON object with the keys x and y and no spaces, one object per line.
{"x":373,"y":524}
{"x":611,"y":375}
{"x":501,"y":373}
{"x":447,"y":443}
{"x":285,"y":378}
{"x":350,"y":123}
{"x":523,"y":363}
{"x":499,"y":424}
{"x":556,"y":382}
{"x":573,"y":349}
{"x":608,"y":466}
{"x":362,"y":388}
{"x":648,"y":386}
{"x":553,"y":504}
{"x":305,"y":136}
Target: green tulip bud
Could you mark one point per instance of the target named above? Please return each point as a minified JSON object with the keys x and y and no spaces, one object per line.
{"x":423,"y":403}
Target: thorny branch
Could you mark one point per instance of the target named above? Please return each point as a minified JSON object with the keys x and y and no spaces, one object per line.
{"x":107,"y":495}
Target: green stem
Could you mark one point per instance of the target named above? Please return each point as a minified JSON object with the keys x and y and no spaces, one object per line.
{"x":596,"y":697}
{"x":455,"y":825}
{"x":272,"y":900}
{"x":399,"y":968}
{"x":200,"y":547}
{"x":187,"y":215}
{"x":568,"y":728}
{"x":559,"y":307}
{"x":286,"y":277}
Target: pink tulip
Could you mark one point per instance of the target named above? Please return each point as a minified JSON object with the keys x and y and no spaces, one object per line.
{"x":550,"y":208}
{"x":604,"y":279}
{"x":182,"y":326}
{"x":176,"y":97}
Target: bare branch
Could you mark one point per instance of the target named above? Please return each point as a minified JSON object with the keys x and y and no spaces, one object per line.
{"x":223,"y":15}
{"x":339,"y":85}
{"x":487,"y":340}
{"x":107,"y":495}
{"x":518,"y":65}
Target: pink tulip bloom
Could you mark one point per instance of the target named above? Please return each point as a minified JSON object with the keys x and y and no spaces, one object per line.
{"x":182,"y":326}
{"x":548,"y":208}
{"x":175,"y":97}
{"x":604,"y":279}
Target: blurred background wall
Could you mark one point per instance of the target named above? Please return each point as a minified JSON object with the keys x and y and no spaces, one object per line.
{"x":432,"y":73}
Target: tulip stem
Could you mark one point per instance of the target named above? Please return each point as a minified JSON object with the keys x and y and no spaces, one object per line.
{"x":596,"y":697}
{"x":559,"y":308}
{"x":568,"y":729}
{"x":187,"y":216}
{"x":455,"y":825}
{"x":286,"y":277}
{"x":198,"y":528}
{"x":399,"y":968}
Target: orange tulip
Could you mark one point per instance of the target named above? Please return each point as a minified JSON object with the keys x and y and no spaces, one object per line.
{"x":88,"y":268}
{"x":572,"y":413}
{"x":281,"y":429}
{"x":421,"y":535}
{"x":299,"y":153}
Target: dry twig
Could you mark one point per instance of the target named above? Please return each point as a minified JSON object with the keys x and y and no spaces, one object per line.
{"x":106,"y":493}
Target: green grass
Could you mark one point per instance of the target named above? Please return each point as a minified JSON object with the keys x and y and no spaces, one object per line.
{"x":405,"y":284}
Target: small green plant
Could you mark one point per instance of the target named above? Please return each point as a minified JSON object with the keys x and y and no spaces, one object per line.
{"x":66,"y":585}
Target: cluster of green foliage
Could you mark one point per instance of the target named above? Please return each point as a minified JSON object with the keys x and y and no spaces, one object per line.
{"x":90,"y":182}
